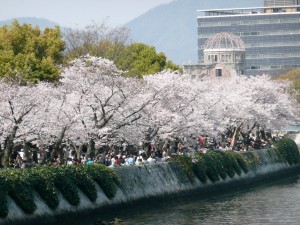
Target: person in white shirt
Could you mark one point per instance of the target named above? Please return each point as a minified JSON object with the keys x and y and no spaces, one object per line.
{"x":151,"y":160}
{"x":138,"y":162}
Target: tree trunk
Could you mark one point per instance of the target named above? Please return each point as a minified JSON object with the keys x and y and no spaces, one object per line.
{"x":9,"y":147}
{"x":246,"y":139}
{"x":26,"y":153}
{"x":235,"y":136}
{"x":263,"y":134}
{"x":79,"y":151}
{"x":91,"y":149}
{"x":44,"y":155}
{"x":57,"y":145}
{"x":149,"y":136}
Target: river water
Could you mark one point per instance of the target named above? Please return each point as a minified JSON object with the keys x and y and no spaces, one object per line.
{"x":274,"y":202}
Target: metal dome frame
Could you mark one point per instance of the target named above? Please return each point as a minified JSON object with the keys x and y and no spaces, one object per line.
{"x":226,"y":41}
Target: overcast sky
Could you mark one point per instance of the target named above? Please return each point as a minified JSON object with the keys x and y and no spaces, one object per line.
{"x":73,"y":13}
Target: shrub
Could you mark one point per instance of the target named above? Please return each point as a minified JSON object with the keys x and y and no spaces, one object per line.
{"x":288,"y":150}
{"x":241,"y":161}
{"x":84,"y":181}
{"x":19,"y":184}
{"x":19,"y":189}
{"x":219,"y":163}
{"x":232,"y":161}
{"x":211,"y":170}
{"x":228,"y":166}
{"x":42,"y":180}
{"x":199,"y":168}
{"x":186,"y":164}
{"x":106,"y":178}
{"x":3,"y":199}
{"x":65,"y":184}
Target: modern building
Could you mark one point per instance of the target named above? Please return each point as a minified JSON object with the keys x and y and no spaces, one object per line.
{"x":271,"y":3}
{"x":271,"y":34}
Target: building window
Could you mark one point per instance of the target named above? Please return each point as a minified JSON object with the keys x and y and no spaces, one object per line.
{"x":251,"y":22}
{"x":223,"y":58}
{"x":216,"y":58}
{"x":218,"y":72}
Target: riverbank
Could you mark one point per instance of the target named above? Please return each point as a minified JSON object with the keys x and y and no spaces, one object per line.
{"x":138,"y":183}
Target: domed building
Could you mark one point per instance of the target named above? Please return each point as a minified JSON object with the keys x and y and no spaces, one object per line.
{"x":223,"y":53}
{"x":226,"y":51}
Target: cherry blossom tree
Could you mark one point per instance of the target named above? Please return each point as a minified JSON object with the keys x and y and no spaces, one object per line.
{"x":19,"y":106}
{"x":178,"y":111}
{"x":246,"y":103}
{"x":94,"y":104}
{"x":103,"y":99}
{"x":177,"y":95}
{"x":192,"y":105}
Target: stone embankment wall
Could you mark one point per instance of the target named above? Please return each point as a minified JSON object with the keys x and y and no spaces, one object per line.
{"x":158,"y":180}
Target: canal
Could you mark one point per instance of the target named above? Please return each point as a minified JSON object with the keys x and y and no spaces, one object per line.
{"x":274,"y":202}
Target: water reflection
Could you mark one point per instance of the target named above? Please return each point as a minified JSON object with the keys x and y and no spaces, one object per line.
{"x":272,"y":203}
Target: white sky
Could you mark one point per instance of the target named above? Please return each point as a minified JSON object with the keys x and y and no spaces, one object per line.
{"x":72,"y":13}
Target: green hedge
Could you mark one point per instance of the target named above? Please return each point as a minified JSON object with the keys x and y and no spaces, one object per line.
{"x":211,"y":170}
{"x":3,"y":198}
{"x":288,"y":150}
{"x":241,"y":161}
{"x":226,"y":161}
{"x":64,"y":182}
{"x":199,"y":168}
{"x":219,"y":163}
{"x":42,"y":180}
{"x":186,"y":164}
{"x":214,"y":165}
{"x":233,"y":162}
{"x":84,"y":181}
{"x":20,"y":190}
{"x":19,"y":184}
{"x":106,"y":178}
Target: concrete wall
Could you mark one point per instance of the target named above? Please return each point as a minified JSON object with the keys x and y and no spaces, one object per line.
{"x":141,"y":182}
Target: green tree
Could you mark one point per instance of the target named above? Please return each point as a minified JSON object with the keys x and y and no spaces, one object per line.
{"x":29,"y":55}
{"x":140,"y":60}
{"x":294,"y":77}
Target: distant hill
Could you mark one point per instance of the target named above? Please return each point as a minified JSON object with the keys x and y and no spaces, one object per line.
{"x":172,"y":27}
{"x":40,"y":22}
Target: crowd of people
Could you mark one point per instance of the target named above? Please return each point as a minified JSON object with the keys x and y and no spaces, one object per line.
{"x":121,"y":159}
{"x":109,"y":159}
{"x":148,"y":153}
